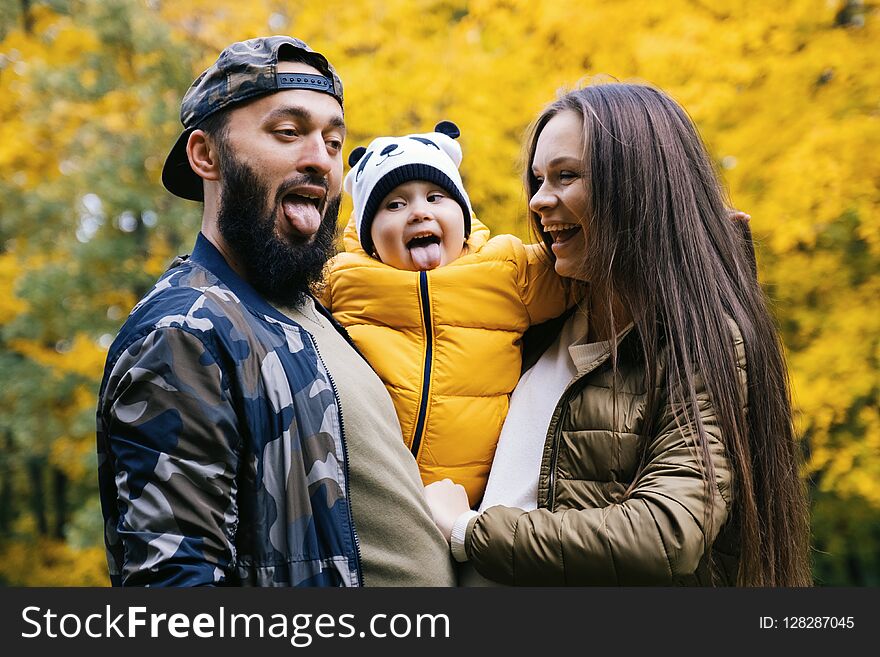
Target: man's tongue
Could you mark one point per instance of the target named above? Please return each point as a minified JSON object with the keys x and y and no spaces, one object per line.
{"x":425,"y":256}
{"x":302,"y":215}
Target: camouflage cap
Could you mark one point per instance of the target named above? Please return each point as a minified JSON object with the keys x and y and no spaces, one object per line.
{"x":244,"y":70}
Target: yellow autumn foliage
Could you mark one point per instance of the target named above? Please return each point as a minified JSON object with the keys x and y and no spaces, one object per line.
{"x":10,"y":304}
{"x":71,"y":455}
{"x":49,"y":562}
{"x":785,"y":93}
{"x":83,"y":357}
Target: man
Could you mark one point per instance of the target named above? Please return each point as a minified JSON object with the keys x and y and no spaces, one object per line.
{"x":240,"y":444}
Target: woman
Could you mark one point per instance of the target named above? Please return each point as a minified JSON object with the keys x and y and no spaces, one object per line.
{"x":669,"y":455}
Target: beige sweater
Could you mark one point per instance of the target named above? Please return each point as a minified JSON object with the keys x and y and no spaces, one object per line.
{"x":399,"y":542}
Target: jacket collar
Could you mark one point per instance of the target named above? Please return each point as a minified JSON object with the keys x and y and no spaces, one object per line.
{"x":539,"y":337}
{"x":588,"y":364}
{"x":208,"y":256}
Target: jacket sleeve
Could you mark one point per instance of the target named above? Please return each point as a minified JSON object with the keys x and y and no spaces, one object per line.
{"x":544,"y":293}
{"x":173,"y":446}
{"x":655,"y":534}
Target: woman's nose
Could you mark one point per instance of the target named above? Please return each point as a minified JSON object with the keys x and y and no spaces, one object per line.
{"x":541,"y":201}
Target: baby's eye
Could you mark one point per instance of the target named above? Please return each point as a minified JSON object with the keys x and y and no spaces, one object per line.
{"x":394,"y":205}
{"x":433,"y":197}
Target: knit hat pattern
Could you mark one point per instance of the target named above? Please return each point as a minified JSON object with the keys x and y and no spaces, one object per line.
{"x":391,"y":161}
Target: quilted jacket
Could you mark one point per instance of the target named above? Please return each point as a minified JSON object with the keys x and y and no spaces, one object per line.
{"x":604,"y":516}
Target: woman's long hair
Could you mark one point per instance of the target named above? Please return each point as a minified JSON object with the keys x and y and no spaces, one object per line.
{"x":660,"y":240}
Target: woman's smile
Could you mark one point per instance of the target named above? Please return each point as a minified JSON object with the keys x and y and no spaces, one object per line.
{"x":561,"y":234}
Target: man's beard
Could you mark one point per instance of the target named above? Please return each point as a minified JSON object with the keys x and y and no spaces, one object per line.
{"x":281,"y":270}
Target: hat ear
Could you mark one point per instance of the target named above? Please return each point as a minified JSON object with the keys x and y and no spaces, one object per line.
{"x":447,"y":143}
{"x":355,"y":156}
{"x":448,"y":128}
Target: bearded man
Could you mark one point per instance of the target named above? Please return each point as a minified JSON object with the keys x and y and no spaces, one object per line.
{"x":242,"y":439}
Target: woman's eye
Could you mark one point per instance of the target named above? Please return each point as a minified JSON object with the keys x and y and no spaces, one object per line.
{"x":567,"y":175}
{"x":539,"y":180}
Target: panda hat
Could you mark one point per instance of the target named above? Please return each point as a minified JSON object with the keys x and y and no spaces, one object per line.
{"x":391,"y":161}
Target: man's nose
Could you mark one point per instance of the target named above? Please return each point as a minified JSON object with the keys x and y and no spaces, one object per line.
{"x":313,"y":157}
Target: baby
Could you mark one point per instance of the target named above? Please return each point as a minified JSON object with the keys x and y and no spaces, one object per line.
{"x":436,"y":306}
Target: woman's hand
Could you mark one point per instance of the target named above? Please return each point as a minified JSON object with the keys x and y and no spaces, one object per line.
{"x":447,"y":500}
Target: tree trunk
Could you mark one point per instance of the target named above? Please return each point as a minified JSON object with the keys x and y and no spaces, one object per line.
{"x":6,"y":485}
{"x":27,"y":19}
{"x":59,"y":489}
{"x":38,"y":497}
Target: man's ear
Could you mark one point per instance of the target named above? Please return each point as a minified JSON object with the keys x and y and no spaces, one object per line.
{"x":202,"y":154}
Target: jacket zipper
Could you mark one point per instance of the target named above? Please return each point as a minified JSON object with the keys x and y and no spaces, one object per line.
{"x":563,"y":405}
{"x":554,"y":454}
{"x":354,"y":536}
{"x":426,"y":370}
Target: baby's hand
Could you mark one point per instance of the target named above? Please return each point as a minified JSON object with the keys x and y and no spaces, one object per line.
{"x":447,"y":500}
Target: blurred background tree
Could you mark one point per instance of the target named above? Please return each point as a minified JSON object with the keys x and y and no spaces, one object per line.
{"x":786,"y":94}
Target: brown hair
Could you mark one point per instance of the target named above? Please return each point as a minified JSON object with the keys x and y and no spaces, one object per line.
{"x":660,"y":241}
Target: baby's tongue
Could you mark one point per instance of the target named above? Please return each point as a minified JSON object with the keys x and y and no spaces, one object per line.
{"x":426,"y":256}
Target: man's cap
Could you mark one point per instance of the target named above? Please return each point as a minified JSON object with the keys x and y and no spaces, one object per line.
{"x":243,"y":71}
{"x":391,"y":161}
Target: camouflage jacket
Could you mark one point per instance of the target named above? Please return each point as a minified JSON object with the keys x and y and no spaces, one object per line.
{"x":221,"y":452}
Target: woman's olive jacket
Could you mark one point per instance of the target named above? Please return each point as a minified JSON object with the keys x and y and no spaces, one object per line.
{"x":613,"y":508}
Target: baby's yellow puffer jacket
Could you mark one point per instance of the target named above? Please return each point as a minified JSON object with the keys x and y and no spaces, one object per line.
{"x":446,"y":342}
